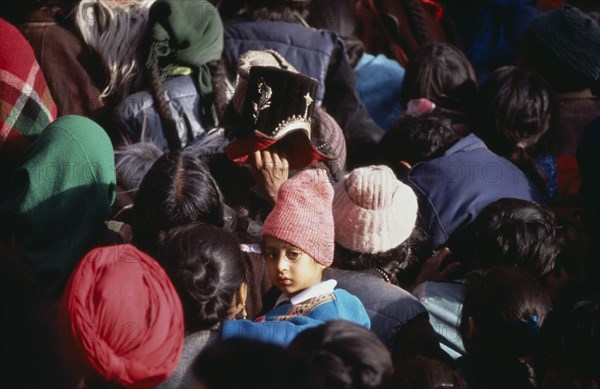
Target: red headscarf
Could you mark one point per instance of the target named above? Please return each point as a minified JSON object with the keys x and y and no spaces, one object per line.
{"x":126,"y":319}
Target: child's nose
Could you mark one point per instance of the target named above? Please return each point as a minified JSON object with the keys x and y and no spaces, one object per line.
{"x":282,"y":263}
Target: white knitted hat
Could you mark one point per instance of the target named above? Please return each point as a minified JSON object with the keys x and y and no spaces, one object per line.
{"x":373,"y":211}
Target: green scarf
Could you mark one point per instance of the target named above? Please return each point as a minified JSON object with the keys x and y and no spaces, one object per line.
{"x":59,"y":199}
{"x":186,"y":33}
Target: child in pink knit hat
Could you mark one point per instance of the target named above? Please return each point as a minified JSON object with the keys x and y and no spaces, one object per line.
{"x":298,"y":244}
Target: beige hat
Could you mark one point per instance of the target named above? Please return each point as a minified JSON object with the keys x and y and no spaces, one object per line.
{"x":373,"y":211}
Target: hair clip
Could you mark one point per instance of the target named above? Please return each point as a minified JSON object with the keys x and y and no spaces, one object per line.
{"x":417,"y":107}
{"x":533,"y":324}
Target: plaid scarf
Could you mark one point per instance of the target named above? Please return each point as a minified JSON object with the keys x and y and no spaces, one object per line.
{"x":26,"y":106}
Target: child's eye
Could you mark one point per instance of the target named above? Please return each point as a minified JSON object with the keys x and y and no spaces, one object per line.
{"x":293,"y":255}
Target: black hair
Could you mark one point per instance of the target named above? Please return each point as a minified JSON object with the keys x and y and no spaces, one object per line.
{"x":508,"y":307}
{"x":348,"y":355}
{"x":393,"y":262}
{"x":415,"y":139}
{"x":253,"y":364}
{"x":207,"y":268}
{"x":422,"y":372}
{"x":271,"y":10}
{"x":178,"y":189}
{"x":570,"y":349}
{"x":516,"y":115}
{"x":513,"y":232}
{"x":441,"y":73}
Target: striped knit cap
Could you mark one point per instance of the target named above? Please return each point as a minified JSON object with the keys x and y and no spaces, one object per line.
{"x":572,"y":36}
{"x":373,"y":211}
{"x":302,"y":215}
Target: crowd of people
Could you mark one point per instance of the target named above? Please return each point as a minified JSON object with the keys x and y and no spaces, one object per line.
{"x":300,"y":193}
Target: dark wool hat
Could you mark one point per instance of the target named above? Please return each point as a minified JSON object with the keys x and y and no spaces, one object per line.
{"x":278,"y":104}
{"x":329,"y":140}
{"x":572,"y":36}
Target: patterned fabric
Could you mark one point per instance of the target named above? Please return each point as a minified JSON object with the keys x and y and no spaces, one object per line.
{"x":306,"y":307}
{"x":26,"y":106}
{"x":284,"y":322}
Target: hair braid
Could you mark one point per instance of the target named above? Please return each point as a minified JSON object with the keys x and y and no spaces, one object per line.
{"x":416,"y":20}
{"x":169,"y":125}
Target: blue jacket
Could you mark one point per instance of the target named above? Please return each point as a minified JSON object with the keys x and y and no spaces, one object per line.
{"x":283,"y":323}
{"x":137,"y":112}
{"x":455,"y":187}
{"x":316,"y":53}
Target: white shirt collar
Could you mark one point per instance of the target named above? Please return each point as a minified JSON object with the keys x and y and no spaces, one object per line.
{"x":319,"y":289}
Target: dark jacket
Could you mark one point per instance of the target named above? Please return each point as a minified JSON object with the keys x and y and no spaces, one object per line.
{"x":389,"y":307}
{"x":319,"y":54}
{"x":455,"y":187}
{"x":137,"y":112}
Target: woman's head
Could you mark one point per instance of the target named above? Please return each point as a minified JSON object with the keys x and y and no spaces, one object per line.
{"x":513,"y":232}
{"x":208,"y":270}
{"x":412,"y":139}
{"x":515,"y":111}
{"x":502,"y":312}
{"x":178,"y":189}
{"x":374,"y":215}
{"x":441,"y":73}
{"x":348,"y":355}
{"x":301,"y":222}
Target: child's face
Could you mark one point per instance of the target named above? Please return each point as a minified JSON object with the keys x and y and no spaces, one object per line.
{"x":291,"y":270}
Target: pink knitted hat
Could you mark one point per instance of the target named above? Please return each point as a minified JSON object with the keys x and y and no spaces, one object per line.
{"x":302,"y":215}
{"x":373,"y":211}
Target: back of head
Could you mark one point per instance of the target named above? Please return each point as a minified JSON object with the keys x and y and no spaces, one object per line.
{"x":563,"y":45}
{"x":207,"y":268}
{"x":502,"y":312}
{"x":516,"y":117}
{"x":375,"y":216}
{"x":513,"y":232}
{"x":349,"y":356}
{"x":178,"y":189}
{"x":413,"y":139}
{"x":423,"y":372}
{"x":441,"y":73}
{"x":572,"y":342}
{"x":241,"y":363}
{"x":122,"y":319}
{"x":277,"y":10}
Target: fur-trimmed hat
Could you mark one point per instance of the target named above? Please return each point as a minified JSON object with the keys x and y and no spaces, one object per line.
{"x":373,"y":211}
{"x":572,"y":36}
{"x":302,"y":215}
{"x":278,"y":104}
